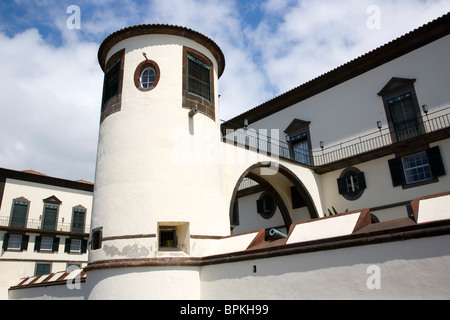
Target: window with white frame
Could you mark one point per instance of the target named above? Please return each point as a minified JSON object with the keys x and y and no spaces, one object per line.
{"x":417,"y":168}
{"x":46,"y":244}
{"x":75,"y":246}
{"x":14,"y":242}
{"x":147,"y":78}
{"x":352,"y":183}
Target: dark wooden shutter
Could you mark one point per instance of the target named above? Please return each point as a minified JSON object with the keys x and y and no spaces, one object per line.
{"x":50,"y":217}
{"x":67,"y":246}
{"x":342,"y":186}
{"x":235,"y":219}
{"x":37,"y":243}
{"x":397,"y":175}
{"x":361,"y":180}
{"x":55,"y":245}
{"x":297,"y":199}
{"x":19,"y":214}
{"x":84,"y":246}
{"x":5,"y":241}
{"x":24,"y":244}
{"x":436,"y":163}
{"x":259,"y":206}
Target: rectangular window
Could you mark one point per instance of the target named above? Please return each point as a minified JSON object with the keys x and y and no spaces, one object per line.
{"x":96,"y":238}
{"x":50,"y":216}
{"x":42,"y":269}
{"x":300,"y":148}
{"x":406,"y":124}
{"x":46,"y":244}
{"x":167,"y":237}
{"x":352,"y":183}
{"x":111,"y":82}
{"x":417,"y":168}
{"x":78,"y":220}
{"x":19,"y":214}
{"x":199,"y":81}
{"x":14,"y":242}
{"x":75,"y":245}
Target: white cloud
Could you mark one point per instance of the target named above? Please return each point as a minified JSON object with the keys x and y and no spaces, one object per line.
{"x":52,"y":85}
{"x":243,"y":84}
{"x":315,"y":37}
{"x":50,"y":103}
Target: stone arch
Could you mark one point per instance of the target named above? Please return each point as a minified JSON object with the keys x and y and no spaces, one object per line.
{"x":252,"y":173}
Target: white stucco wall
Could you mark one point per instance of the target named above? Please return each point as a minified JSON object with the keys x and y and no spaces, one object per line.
{"x":380,"y":191}
{"x":149,"y":283}
{"x":413,"y":269}
{"x":15,"y":265}
{"x":36,"y":193}
{"x":250,"y":220}
{"x":352,"y":109}
{"x":153,"y":162}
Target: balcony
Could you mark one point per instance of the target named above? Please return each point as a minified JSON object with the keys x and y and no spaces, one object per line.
{"x":433,"y":124}
{"x":37,"y":225}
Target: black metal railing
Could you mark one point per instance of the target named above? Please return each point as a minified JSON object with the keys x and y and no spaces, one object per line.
{"x":269,"y":142}
{"x":34,"y":224}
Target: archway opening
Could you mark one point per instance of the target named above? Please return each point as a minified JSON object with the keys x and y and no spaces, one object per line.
{"x":269,"y":201}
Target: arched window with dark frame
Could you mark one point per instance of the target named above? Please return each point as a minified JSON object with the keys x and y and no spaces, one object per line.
{"x":78,"y":219}
{"x":299,"y":140}
{"x":50,"y":214}
{"x":402,"y":109}
{"x":19,"y":213}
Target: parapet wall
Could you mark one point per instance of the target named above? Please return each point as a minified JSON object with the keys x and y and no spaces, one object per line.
{"x":339,"y":257}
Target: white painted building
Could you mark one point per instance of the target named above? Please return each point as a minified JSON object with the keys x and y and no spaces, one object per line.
{"x":44,"y":225}
{"x":185,"y":207}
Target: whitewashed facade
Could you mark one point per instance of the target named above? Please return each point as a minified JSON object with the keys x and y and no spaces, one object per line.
{"x":44,"y":225}
{"x":187,"y":208}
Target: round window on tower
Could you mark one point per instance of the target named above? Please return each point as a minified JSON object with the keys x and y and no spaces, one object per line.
{"x":146,"y":76}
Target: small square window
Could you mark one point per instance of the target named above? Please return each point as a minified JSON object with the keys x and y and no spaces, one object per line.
{"x":42,"y":269}
{"x":167,"y":238}
{"x":14,"y":242}
{"x":75,"y":245}
{"x":46,"y":244}
{"x":173,"y":236}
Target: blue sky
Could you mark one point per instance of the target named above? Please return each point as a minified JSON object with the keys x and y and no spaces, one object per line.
{"x":50,"y":81}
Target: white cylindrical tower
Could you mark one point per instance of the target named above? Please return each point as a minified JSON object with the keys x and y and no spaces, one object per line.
{"x":158,"y":177}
